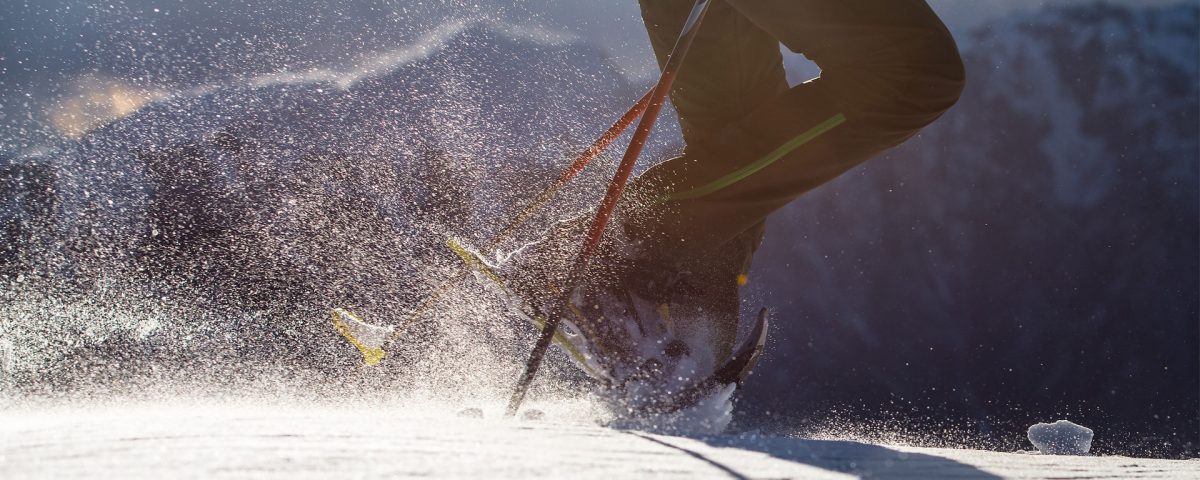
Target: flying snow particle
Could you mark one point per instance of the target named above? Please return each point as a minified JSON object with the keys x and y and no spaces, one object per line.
{"x":5,"y":360}
{"x":1061,"y":438}
{"x":533,"y":414}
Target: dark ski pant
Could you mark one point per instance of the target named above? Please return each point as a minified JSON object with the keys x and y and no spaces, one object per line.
{"x":888,"y":68}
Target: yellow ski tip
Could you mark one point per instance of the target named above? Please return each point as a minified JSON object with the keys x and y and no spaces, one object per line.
{"x":372,"y":356}
{"x":367,"y":338}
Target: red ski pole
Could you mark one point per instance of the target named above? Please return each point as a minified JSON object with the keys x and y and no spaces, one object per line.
{"x":575,"y":167}
{"x":611,"y":196}
{"x":581,"y":161}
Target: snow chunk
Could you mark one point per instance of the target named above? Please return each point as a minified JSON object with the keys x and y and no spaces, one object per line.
{"x":1061,"y":438}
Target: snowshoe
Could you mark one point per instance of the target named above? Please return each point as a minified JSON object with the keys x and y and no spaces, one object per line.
{"x":732,"y":372}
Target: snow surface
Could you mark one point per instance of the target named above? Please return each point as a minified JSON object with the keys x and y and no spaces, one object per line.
{"x":189,"y":438}
{"x":1061,"y":438}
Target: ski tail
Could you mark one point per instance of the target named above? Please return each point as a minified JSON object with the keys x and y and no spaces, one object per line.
{"x":368,"y":339}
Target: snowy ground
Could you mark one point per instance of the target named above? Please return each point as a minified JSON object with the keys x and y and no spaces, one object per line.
{"x":215,"y":440}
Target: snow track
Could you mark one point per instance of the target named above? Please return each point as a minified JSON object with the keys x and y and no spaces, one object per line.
{"x":324,"y":441}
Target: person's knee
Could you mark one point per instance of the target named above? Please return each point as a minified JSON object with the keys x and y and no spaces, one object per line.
{"x":933,"y":72}
{"x":950,"y":76}
{"x":914,"y":96}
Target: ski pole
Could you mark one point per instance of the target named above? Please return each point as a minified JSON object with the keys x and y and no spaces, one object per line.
{"x":611,"y":196}
{"x":581,"y":161}
{"x":577,"y":166}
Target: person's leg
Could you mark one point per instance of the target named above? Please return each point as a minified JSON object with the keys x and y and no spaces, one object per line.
{"x":732,"y":67}
{"x":889,"y":67}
